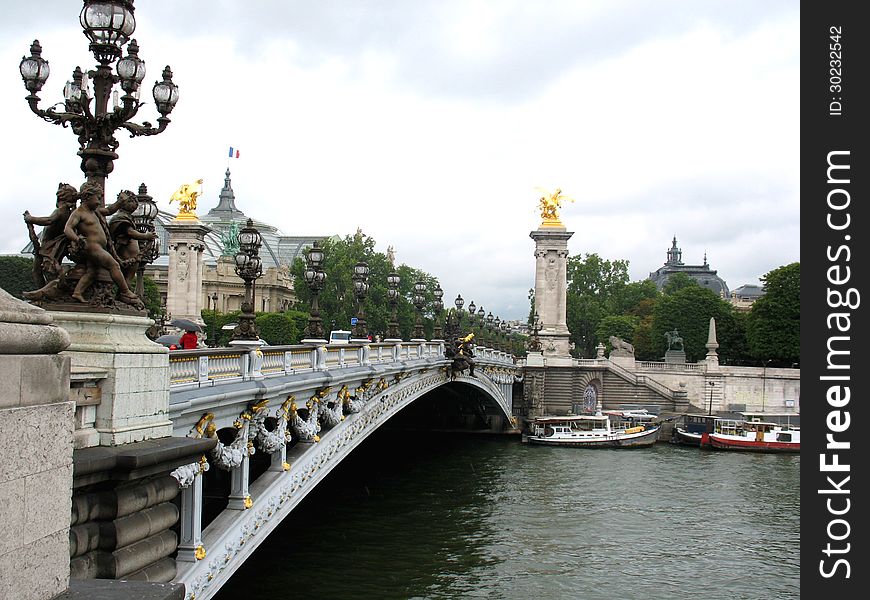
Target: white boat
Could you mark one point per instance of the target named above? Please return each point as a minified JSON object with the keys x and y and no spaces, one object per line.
{"x":615,"y":429}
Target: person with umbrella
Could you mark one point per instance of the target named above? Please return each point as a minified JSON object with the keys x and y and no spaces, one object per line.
{"x":188,"y":341}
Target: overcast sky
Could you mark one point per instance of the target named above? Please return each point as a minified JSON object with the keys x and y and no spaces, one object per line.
{"x":430,"y":124}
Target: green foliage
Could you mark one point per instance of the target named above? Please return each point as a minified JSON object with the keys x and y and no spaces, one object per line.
{"x":16,"y":275}
{"x":215,"y":320}
{"x":677,"y":282}
{"x":593,"y":286}
{"x":773,"y":324}
{"x":152,"y":300}
{"x":688,"y":310}
{"x":277,"y":329}
{"x":622,"y":326}
{"x":337,"y":302}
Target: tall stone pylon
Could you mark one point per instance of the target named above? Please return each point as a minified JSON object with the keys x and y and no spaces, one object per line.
{"x":551,"y":281}
{"x":186,"y":244}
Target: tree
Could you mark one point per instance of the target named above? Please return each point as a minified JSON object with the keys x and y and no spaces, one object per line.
{"x":621,"y":326}
{"x":592,"y":284}
{"x":677,"y":282}
{"x":16,"y":275}
{"x":773,"y":324}
{"x":337,"y":302}
{"x":152,"y":300}
{"x":277,"y":328}
{"x":688,"y":310}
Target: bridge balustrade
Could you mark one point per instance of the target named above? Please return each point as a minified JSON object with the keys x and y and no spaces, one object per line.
{"x":214,"y":366}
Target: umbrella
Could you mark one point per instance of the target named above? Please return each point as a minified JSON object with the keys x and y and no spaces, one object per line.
{"x":168,"y":340}
{"x":185,"y":324}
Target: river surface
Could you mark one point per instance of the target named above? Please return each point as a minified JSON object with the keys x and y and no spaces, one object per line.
{"x":434,"y":516}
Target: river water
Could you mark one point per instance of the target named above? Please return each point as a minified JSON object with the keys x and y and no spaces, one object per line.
{"x":457,"y":516}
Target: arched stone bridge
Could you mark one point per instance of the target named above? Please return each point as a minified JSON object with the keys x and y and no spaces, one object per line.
{"x":307,"y":408}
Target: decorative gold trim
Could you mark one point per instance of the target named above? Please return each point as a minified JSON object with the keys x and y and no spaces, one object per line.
{"x":248,"y":502}
{"x":199,"y":554}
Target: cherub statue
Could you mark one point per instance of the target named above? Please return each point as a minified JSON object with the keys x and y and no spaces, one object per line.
{"x":50,"y":247}
{"x":186,"y":196}
{"x":550,"y":205}
{"x":126,"y":237}
{"x":89,"y":239}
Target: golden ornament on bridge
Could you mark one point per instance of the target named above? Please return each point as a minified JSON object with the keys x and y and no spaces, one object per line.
{"x":550,"y":205}
{"x":186,"y":196}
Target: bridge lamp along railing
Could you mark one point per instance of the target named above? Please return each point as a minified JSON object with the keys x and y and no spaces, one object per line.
{"x":109,"y":25}
{"x":438,"y":306}
{"x":419,"y":302}
{"x":315,"y":278}
{"x":149,"y":250}
{"x":393,"y":281}
{"x":496,"y":325}
{"x":360,"y":280}
{"x":534,"y":343}
{"x":249,"y":267}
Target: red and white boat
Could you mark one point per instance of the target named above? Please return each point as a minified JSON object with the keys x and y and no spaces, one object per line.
{"x":755,"y":436}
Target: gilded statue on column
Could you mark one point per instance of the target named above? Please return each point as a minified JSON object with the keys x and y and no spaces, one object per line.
{"x":186,"y":196}
{"x":550,"y":205}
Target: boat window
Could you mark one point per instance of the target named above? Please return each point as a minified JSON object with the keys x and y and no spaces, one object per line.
{"x":783,"y":437}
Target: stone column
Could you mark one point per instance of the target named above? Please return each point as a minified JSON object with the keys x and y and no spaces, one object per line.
{"x":36,"y":472}
{"x":184,"y":284}
{"x":551,"y":283}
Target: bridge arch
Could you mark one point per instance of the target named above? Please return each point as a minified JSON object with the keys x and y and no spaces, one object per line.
{"x":256,"y":507}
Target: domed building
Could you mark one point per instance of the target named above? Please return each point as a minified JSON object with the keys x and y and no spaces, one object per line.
{"x":222,"y":289}
{"x":703,"y":274}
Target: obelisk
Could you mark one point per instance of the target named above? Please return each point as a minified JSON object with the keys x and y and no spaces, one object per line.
{"x":551,"y":281}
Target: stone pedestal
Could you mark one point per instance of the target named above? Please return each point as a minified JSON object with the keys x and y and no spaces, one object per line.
{"x":184,"y":282}
{"x":551,"y":283}
{"x":134,"y":394}
{"x":675,"y":357}
{"x":36,"y":472}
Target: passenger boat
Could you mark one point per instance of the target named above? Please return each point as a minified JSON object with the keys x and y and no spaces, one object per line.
{"x":755,"y":436}
{"x":616,"y":429}
{"x":695,"y":430}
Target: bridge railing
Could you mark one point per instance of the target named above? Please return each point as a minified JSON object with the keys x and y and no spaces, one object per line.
{"x":213,"y":366}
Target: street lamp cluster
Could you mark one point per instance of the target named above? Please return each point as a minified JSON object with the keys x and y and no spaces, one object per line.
{"x":109,"y":25}
{"x":249,"y":267}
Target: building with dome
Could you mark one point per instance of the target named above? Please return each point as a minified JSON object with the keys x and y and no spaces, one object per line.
{"x":222,"y":289}
{"x":703,"y":274}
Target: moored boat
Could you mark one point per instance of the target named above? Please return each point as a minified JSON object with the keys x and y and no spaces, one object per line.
{"x":755,"y":436}
{"x":617,"y":429}
{"x":695,"y":430}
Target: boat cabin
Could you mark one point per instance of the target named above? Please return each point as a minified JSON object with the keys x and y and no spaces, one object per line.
{"x":786,"y":420}
{"x":571,"y":425}
{"x":699,"y":424}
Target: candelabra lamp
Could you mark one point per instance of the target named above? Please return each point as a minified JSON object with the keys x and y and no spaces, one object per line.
{"x":149,"y":249}
{"x":109,"y":25}
{"x":534,"y":344}
{"x":419,"y":302}
{"x":360,"y":279}
{"x":393,"y":298}
{"x":315,"y":278}
{"x":249,"y":267}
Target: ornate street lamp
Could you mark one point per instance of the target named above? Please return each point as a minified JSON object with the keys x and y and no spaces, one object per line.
{"x":214,"y":301}
{"x":393,"y":280}
{"x":360,"y":279}
{"x":471,"y":309}
{"x":712,"y":384}
{"x":534,"y":343}
{"x":108,"y":24}
{"x":149,"y":250}
{"x":249,"y":267}
{"x":438,"y":305}
{"x":315,"y":278}
{"x":419,"y":301}
{"x":496,"y":325}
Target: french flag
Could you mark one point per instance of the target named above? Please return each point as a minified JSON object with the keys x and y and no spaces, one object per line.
{"x":234,"y":153}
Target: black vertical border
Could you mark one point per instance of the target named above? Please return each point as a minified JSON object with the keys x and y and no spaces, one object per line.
{"x":821,"y":133}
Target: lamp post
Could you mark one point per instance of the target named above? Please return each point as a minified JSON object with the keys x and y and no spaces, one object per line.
{"x":108,"y":24}
{"x":488,"y":328}
{"x":214,"y":301}
{"x":143,"y":218}
{"x":419,"y":301}
{"x":496,"y":327}
{"x":314,"y":277}
{"x":249,"y":267}
{"x":360,"y":279}
{"x":763,"y":382}
{"x":393,"y":281}
{"x":534,"y":341}
{"x":712,"y":384}
{"x":438,"y":305}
